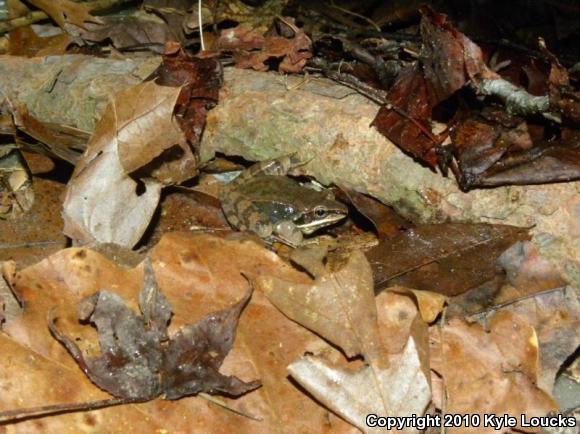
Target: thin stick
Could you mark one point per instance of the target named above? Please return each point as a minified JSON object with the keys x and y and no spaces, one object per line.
{"x":199,"y":20}
{"x":474,"y":316}
{"x":225,"y":406}
{"x":11,"y":416}
{"x":354,"y":14}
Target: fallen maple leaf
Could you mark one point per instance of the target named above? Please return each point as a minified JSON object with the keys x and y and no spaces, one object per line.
{"x":66,"y":11}
{"x":401,"y":389}
{"x":139,"y":360}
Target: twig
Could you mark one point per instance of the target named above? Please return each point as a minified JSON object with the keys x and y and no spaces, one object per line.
{"x":378,"y":96}
{"x":11,"y":416}
{"x":474,"y":316}
{"x":25,"y":20}
{"x":27,"y":245}
{"x":516,"y":99}
{"x":225,"y":406}
{"x":200,"y":23}
{"x":354,"y":14}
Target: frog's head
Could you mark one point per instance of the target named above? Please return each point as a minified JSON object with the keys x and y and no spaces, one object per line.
{"x":324,"y":212}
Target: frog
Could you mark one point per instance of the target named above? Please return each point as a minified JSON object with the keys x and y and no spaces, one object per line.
{"x":263,"y":200}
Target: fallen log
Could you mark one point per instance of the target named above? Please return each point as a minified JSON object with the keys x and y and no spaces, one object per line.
{"x":263,"y":115}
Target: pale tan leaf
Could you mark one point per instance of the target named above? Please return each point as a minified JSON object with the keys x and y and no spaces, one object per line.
{"x":102,"y":201}
{"x":402,"y":389}
{"x":102,"y":204}
{"x":338,"y":306}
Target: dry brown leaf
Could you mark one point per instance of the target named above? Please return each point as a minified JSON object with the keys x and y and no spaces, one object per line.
{"x":66,"y":11}
{"x":491,"y":372}
{"x":60,"y":141}
{"x":556,"y":317}
{"x":128,"y":32}
{"x":102,"y":202}
{"x":447,"y":258}
{"x":252,"y":50}
{"x":338,"y":306}
{"x":430,"y":304}
{"x":23,"y":41}
{"x":138,"y":359}
{"x":198,"y":274}
{"x":144,"y":128}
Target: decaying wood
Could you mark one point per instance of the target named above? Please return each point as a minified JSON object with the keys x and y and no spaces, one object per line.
{"x":263,"y":115}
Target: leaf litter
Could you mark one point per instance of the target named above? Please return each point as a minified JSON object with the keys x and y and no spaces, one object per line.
{"x":441,"y":318}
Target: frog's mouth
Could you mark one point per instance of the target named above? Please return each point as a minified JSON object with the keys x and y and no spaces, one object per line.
{"x":309,"y":224}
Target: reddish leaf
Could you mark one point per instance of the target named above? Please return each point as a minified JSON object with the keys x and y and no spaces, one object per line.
{"x":200,"y":80}
{"x":406,"y":124}
{"x":494,"y":148}
{"x":449,"y":58}
{"x":563,"y":98}
{"x":252,"y":50}
{"x":386,"y":221}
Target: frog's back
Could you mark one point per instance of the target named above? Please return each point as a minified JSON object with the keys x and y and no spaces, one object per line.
{"x":278,"y":189}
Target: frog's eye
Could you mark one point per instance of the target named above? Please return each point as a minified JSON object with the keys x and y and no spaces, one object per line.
{"x":320,"y":212}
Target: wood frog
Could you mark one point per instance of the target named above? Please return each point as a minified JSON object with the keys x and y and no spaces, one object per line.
{"x":277,"y":208}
